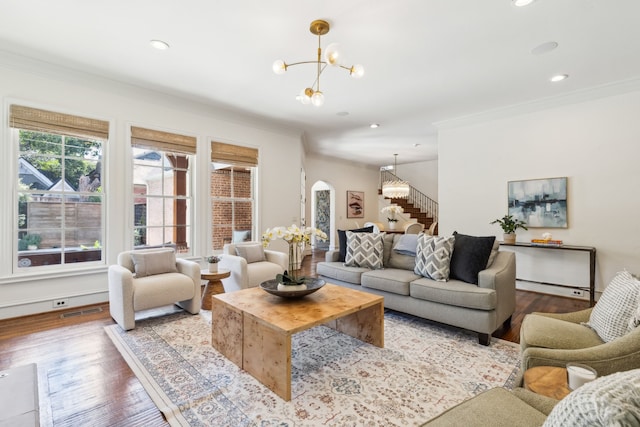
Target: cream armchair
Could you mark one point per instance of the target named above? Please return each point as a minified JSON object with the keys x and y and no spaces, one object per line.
{"x":144,"y":279}
{"x":555,"y":339}
{"x":258,"y":265}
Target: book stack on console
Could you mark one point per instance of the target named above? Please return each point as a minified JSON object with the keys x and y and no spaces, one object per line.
{"x":546,"y":242}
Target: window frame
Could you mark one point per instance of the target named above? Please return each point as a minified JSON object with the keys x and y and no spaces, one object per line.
{"x":65,"y":262}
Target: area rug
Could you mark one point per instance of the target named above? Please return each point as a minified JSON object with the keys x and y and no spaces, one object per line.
{"x":337,"y":380}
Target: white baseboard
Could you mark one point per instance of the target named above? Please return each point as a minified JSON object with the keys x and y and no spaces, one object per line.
{"x":552,"y":290}
{"x":45,"y":306}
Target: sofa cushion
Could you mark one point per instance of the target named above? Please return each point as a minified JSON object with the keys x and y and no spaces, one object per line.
{"x":433,"y":256}
{"x":612,"y":400}
{"x":387,"y":242}
{"x":154,"y":262}
{"x":391,"y":280}
{"x":616,"y":308}
{"x":342,"y":240}
{"x":364,"y":250}
{"x":252,"y":253}
{"x":337,"y":270}
{"x":400,"y":260}
{"x":454,"y":292}
{"x":470,"y":256}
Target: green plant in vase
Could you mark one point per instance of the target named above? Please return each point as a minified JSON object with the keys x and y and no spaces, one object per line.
{"x":509,"y":225}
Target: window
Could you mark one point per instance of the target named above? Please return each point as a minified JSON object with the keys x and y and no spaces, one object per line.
{"x":162,"y":195}
{"x":59,"y":210}
{"x":233,"y":173}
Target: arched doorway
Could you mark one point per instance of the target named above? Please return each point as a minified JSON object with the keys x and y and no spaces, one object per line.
{"x":323,"y":201}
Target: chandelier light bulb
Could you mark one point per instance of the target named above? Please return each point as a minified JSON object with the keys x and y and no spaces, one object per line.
{"x":357,"y":71}
{"x":332,"y":54}
{"x":317,"y":99}
{"x":279,"y":67}
{"x":304,"y":97}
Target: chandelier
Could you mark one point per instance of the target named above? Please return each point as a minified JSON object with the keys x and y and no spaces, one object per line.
{"x":313,"y":94}
{"x":397,"y":189}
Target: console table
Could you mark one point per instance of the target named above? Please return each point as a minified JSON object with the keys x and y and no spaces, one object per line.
{"x":592,"y":264}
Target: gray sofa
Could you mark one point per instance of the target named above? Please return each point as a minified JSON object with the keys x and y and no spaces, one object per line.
{"x":482,"y":308}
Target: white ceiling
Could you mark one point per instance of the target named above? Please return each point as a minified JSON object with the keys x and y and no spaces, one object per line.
{"x":425,"y":60}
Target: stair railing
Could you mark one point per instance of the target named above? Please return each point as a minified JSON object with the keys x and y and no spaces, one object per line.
{"x":418,"y":199}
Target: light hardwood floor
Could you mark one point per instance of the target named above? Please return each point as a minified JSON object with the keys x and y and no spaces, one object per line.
{"x":84,"y":381}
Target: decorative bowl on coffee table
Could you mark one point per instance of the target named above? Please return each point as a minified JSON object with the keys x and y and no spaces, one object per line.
{"x":313,"y":285}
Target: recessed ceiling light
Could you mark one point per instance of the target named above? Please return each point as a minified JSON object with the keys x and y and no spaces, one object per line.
{"x":559,"y":77}
{"x":522,"y":3}
{"x":544,"y":48}
{"x":159,"y":44}
{"x":374,"y":125}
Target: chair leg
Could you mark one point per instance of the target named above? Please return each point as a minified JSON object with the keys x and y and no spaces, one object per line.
{"x":507,"y":323}
{"x":484,"y":339}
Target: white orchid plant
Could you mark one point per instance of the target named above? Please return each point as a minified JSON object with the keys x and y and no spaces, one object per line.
{"x":293,"y":235}
{"x":392,"y":210}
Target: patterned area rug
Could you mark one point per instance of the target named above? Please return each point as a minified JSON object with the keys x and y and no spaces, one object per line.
{"x":337,"y":380}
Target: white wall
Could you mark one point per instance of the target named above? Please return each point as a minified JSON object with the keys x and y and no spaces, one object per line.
{"x":595,"y":143}
{"x":423,"y":176}
{"x":344,"y":176}
{"x":39,"y":85}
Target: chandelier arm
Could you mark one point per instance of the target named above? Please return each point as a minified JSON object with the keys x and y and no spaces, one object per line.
{"x":306,"y":62}
{"x":317,"y":80}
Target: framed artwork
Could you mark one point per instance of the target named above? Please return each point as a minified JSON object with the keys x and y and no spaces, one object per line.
{"x":355,"y":204}
{"x":541,"y":203}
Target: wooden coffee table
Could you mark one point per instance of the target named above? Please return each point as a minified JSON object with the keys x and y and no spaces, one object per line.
{"x":550,"y":381}
{"x":253,"y":329}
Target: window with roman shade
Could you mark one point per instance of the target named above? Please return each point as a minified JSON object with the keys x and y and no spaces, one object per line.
{"x":162,"y":196}
{"x":233,"y":183}
{"x":59,"y":221}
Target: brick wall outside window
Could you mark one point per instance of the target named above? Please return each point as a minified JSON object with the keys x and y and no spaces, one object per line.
{"x":232,"y":204}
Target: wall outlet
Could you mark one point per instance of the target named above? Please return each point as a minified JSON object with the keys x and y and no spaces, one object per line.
{"x":577,"y":293}
{"x":60,"y":303}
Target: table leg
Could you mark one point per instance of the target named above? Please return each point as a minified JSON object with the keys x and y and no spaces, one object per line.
{"x":213,"y":287}
{"x":226,"y":330}
{"x":367,"y":325}
{"x":267,"y":356}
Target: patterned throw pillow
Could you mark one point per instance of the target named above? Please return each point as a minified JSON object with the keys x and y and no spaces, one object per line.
{"x":433,"y":256}
{"x":364,"y":250}
{"x":612,"y":400}
{"x":612,"y":315}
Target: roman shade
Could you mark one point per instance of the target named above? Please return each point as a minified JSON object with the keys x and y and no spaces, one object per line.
{"x":233,"y":154}
{"x":164,"y":141}
{"x":34,"y":119}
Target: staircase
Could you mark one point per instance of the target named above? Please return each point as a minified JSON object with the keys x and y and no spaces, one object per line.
{"x":418,"y":205}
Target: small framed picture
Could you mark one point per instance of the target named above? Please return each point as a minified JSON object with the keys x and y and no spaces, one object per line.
{"x":355,"y":204}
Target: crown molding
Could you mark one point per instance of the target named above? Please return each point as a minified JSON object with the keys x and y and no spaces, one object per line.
{"x":583,"y":95}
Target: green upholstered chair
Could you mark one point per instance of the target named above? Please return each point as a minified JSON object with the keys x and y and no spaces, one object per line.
{"x":498,"y":407}
{"x":552,"y":339}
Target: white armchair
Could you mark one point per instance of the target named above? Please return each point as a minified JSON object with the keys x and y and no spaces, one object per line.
{"x":144,"y":279}
{"x":250,"y":271}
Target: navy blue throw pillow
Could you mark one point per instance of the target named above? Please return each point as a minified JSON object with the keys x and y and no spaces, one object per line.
{"x":470,"y":256}
{"x":342,"y":240}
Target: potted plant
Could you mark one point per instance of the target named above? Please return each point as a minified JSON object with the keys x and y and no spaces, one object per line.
{"x":509,"y":225}
{"x":213,"y":261}
{"x":392,"y":210}
{"x":32,"y":241}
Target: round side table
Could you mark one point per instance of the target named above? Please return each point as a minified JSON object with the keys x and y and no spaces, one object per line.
{"x":550,"y":381}
{"x":213,"y":286}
